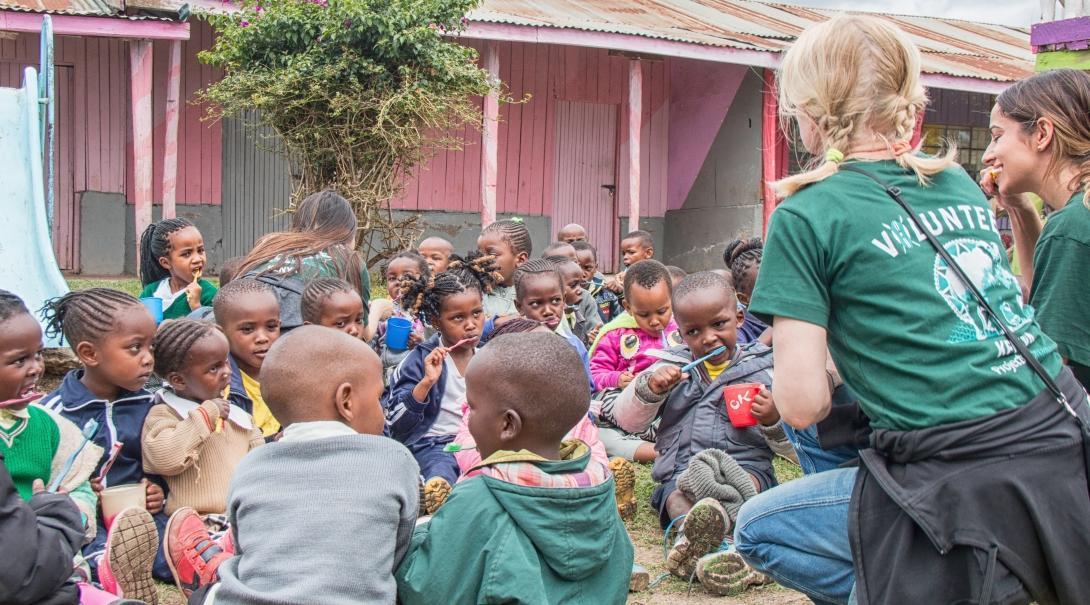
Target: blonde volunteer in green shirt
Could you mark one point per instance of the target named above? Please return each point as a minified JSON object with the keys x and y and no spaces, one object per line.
{"x":1041,"y":145}
{"x":954,"y":408}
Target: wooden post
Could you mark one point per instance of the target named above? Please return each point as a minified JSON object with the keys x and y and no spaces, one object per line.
{"x":141,"y":71}
{"x":635,"y":125}
{"x":490,"y":137}
{"x":170,"y":140}
{"x":773,"y":145}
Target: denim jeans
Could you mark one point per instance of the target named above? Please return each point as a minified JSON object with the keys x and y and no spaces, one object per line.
{"x":812,"y":458}
{"x":797,"y":533}
{"x":433,"y":461}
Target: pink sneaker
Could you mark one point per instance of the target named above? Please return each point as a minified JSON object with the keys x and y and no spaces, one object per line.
{"x":125,"y":569}
{"x":191,"y":553}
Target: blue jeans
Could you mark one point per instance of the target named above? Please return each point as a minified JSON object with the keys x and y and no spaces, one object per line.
{"x":812,"y":458}
{"x":797,"y":533}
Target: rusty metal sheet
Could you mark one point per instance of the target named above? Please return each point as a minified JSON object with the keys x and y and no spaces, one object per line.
{"x":949,"y":46}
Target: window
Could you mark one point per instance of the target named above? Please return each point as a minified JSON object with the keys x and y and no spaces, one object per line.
{"x":972,"y":142}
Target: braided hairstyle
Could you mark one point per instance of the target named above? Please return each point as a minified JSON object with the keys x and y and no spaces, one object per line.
{"x":10,"y":306}
{"x":514,"y":232}
{"x":534,"y":267}
{"x":86,"y":315}
{"x":173,"y":341}
{"x":423,"y":296}
{"x":154,"y":244}
{"x":741,"y":256}
{"x":318,"y":292}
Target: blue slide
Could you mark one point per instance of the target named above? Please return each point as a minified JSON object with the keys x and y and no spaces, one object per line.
{"x":28,"y":266}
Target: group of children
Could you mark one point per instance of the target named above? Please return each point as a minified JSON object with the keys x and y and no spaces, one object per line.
{"x":539,"y":376}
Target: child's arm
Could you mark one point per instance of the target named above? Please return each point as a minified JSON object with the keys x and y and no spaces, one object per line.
{"x":170,"y":444}
{"x":404,"y":412}
{"x":607,"y":365}
{"x":638,"y":405}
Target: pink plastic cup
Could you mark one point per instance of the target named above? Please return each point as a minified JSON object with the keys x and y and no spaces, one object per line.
{"x":739,"y":398}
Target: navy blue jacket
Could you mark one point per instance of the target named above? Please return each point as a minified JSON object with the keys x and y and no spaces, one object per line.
{"x":406,"y":418}
{"x":119,"y":421}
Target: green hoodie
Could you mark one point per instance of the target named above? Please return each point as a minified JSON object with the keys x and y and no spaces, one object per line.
{"x":497,"y":542}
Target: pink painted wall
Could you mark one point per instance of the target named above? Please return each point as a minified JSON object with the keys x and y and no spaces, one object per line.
{"x":527,"y":132}
{"x":701,"y":92}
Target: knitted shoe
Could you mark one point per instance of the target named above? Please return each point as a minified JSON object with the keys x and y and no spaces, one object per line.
{"x":125,"y":569}
{"x":624,"y":484}
{"x":704,"y":529}
{"x":436,"y":491}
{"x":726,"y":574}
{"x":191,"y":553}
{"x":640,"y":578}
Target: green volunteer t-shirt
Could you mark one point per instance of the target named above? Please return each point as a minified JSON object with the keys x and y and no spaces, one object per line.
{"x":905,"y":334}
{"x":1061,"y":280}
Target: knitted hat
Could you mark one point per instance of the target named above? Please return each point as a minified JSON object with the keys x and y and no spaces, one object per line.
{"x":714,"y":474}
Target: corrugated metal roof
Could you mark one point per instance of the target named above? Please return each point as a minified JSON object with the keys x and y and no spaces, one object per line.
{"x":949,"y":46}
{"x":97,"y":8}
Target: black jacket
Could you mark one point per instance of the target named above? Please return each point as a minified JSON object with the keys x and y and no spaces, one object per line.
{"x":39,"y":539}
{"x":990,"y":510}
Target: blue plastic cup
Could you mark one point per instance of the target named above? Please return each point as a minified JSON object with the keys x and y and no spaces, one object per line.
{"x":397,"y":333}
{"x":155,"y":306}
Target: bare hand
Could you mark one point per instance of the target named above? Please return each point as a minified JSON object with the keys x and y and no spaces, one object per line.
{"x":1015,"y":202}
{"x":37,"y":487}
{"x":433,"y":364}
{"x":764,"y":409}
{"x":223,"y":407}
{"x":593,"y":333}
{"x":193,"y":295}
{"x":616,"y":284}
{"x":665,"y":378}
{"x":155,"y":497}
{"x":415,"y":338}
{"x":96,"y":485}
{"x":625,"y":378}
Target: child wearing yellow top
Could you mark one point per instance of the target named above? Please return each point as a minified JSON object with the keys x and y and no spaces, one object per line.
{"x":248,"y":312}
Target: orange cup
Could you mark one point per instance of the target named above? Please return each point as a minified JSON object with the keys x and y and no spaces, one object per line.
{"x":739,"y":398}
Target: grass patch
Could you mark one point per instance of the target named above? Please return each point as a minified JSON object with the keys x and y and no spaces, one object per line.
{"x":129,"y":285}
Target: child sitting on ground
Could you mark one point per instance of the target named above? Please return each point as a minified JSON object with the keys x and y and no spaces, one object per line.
{"x":539,"y":524}
{"x":703,"y":458}
{"x":437,"y":252}
{"x":559,"y":249}
{"x":172,"y":260}
{"x":635,"y":246}
{"x":508,"y":243}
{"x":622,"y":351}
{"x":743,"y":259}
{"x":401,"y":269}
{"x":539,"y":295}
{"x":325,"y":514}
{"x":608,"y":303}
{"x":423,"y":401}
{"x":581,"y":311}
{"x":192,"y":436}
{"x":248,"y":312}
{"x":111,"y":334}
{"x":333,"y":303}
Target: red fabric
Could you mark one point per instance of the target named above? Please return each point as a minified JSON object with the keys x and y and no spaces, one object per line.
{"x":773,"y":144}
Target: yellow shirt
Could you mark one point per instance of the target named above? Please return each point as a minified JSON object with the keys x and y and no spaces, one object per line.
{"x":713,"y":370}
{"x":263,"y":418}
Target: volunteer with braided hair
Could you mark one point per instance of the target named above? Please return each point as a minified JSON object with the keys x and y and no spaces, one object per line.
{"x":957,"y":498}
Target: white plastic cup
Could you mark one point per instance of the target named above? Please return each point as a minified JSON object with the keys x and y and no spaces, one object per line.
{"x":119,"y":497}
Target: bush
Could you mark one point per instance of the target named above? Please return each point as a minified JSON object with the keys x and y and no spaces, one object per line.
{"x":359,"y":91}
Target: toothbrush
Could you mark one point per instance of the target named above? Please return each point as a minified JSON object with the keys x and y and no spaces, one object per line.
{"x":454,"y":448}
{"x":714,"y":353}
{"x":114,"y":451}
{"x":89,"y":431}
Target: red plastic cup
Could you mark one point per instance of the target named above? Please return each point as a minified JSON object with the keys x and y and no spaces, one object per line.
{"x":739,"y":398}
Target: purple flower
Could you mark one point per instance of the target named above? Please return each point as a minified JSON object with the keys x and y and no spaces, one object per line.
{"x":347,"y":23}
{"x":245,"y":23}
{"x":258,"y":9}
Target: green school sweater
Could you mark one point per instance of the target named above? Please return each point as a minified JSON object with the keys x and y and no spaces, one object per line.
{"x":28,"y":446}
{"x":180,"y":307}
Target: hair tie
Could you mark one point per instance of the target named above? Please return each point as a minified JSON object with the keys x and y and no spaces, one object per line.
{"x":834,"y":155}
{"x":900,"y":148}
{"x":517,"y":219}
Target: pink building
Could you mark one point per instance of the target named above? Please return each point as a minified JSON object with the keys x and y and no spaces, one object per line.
{"x":661,"y":116}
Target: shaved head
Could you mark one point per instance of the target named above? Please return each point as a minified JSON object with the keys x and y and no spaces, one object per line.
{"x":305,"y":367}
{"x":572,"y":233}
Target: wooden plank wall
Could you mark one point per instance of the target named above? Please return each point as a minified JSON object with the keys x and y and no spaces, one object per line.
{"x":527,"y":132}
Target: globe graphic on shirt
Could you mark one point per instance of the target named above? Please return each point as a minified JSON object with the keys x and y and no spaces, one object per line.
{"x":983,"y":263}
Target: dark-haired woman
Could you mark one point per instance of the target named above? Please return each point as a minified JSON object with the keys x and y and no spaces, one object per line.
{"x":1041,"y":144}
{"x":320,"y":243}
